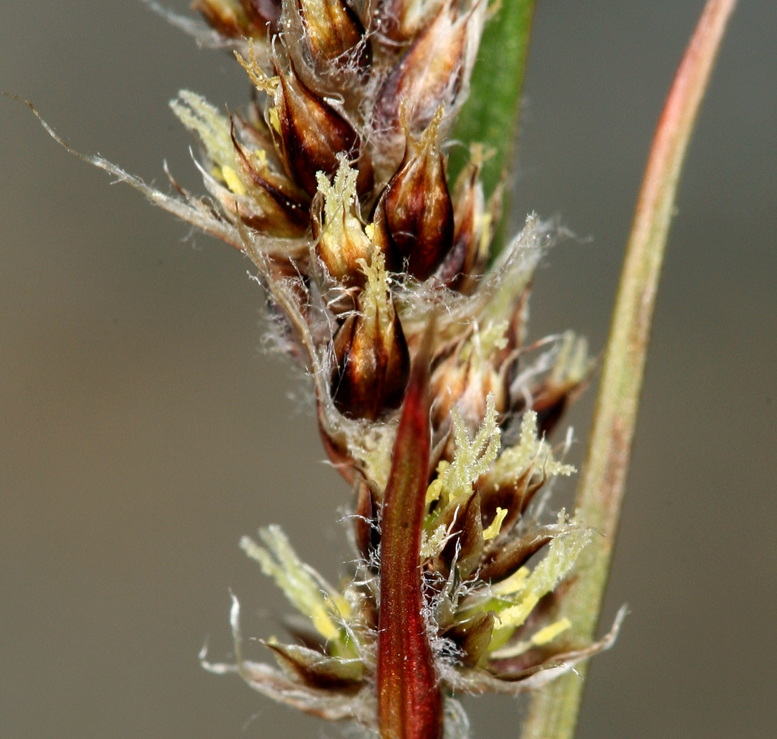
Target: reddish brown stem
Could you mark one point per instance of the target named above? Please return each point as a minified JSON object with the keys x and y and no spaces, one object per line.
{"x":409,"y":695}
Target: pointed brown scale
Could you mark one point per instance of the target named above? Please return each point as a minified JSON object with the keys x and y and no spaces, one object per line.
{"x":332,"y":29}
{"x":507,"y":497}
{"x":506,"y":559}
{"x":418,"y":207}
{"x":373,"y":362}
{"x":473,"y":637}
{"x":262,"y":12}
{"x":317,"y":670}
{"x":408,"y":686}
{"x":428,"y":75}
{"x":464,"y":261}
{"x":239,"y":18}
{"x":313,"y":133}
{"x":284,"y":208}
{"x":466,"y":547}
{"x":366,"y":533}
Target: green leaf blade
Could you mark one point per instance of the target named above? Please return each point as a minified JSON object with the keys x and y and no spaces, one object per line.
{"x":490,"y":115}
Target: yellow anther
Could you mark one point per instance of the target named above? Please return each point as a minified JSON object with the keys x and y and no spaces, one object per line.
{"x":513,"y":584}
{"x":433,"y":491}
{"x":496,"y":525}
{"x":516,"y":615}
{"x":275,"y":121}
{"x":261,"y":156}
{"x":323,"y":624}
{"x":549,"y":633}
{"x":233,"y":181}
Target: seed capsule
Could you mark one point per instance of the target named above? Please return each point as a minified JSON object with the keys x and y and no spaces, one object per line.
{"x":417,"y":206}
{"x":312,"y":134}
{"x":372,"y":356}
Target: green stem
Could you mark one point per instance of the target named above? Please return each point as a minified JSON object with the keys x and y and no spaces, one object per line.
{"x":554,"y":710}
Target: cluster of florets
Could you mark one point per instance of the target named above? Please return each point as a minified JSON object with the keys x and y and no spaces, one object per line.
{"x":334,"y":183}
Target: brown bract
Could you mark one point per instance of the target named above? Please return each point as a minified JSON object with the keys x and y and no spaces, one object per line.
{"x":332,"y":28}
{"x":428,"y":74}
{"x":313,"y":133}
{"x":248,"y":18}
{"x":417,"y":206}
{"x":373,"y":361}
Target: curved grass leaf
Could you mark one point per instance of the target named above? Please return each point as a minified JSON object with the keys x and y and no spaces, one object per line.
{"x":554,"y":710}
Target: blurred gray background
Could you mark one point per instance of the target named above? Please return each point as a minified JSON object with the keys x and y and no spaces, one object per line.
{"x":143,"y":431}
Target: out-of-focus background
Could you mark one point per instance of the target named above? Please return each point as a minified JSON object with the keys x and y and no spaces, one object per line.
{"x":143,"y":430}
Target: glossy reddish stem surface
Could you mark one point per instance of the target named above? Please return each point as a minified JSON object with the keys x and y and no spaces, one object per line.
{"x":409,"y":695}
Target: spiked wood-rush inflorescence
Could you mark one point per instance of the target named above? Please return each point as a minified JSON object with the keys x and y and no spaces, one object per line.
{"x":386,"y":283}
{"x":334,"y":182}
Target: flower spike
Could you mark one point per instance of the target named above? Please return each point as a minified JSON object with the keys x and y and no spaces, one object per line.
{"x":383,"y":284}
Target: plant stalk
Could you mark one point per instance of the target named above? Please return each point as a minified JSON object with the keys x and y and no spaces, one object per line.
{"x":409,"y":694}
{"x":553,"y":713}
